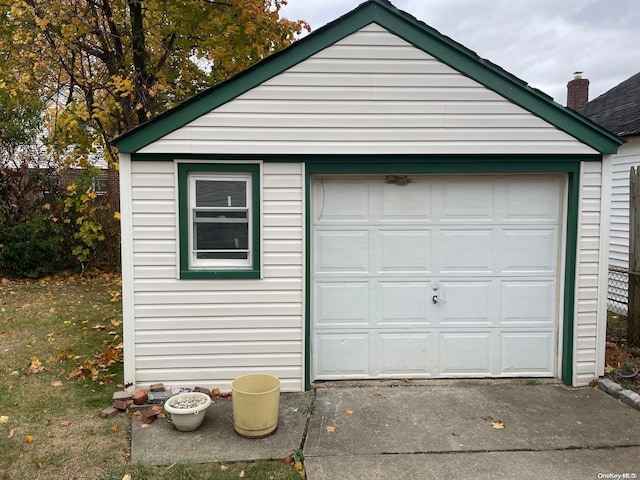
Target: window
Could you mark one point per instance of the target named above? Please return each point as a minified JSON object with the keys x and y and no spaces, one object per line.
{"x":219,"y":224}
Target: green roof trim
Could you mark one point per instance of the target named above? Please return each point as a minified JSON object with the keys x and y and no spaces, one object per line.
{"x":406,"y":27}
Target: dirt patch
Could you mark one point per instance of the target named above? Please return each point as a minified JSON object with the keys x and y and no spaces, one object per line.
{"x":620,"y":358}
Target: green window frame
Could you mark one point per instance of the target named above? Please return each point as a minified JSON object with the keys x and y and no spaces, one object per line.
{"x":219,"y":220}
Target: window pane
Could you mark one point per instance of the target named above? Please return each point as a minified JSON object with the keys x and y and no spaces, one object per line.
{"x":221,"y":236}
{"x":221,"y":193}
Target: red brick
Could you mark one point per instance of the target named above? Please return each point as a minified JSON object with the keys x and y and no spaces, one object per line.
{"x":149,"y":415}
{"x":109,"y":412}
{"x":206,"y":391}
{"x":140,"y":397}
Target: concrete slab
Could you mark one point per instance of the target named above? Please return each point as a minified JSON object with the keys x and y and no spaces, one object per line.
{"x":425,"y":430}
{"x":216,"y":439}
{"x":457,"y":418}
{"x":617,"y":463}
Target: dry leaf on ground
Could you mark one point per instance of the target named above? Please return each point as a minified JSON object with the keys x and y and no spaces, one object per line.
{"x":498,"y":424}
{"x":330,"y":428}
{"x":349,"y":411}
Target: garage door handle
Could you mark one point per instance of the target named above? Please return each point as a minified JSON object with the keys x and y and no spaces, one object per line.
{"x":437,"y":300}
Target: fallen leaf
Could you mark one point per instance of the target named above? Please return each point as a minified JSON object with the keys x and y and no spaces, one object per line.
{"x":4,"y":419}
{"x":37,"y":462}
{"x":28,"y":439}
{"x":223,"y":468}
{"x":241,"y":474}
{"x":12,"y":433}
{"x":349,"y":411}
{"x":114,"y":427}
{"x":54,"y":310}
{"x":298,"y":466}
{"x":65,"y":423}
{"x":145,"y":425}
{"x":57,"y":383}
{"x":35,"y":366}
{"x":498,"y":424}
{"x":330,"y":428}
{"x":126,"y":477}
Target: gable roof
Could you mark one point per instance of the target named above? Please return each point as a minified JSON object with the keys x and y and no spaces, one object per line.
{"x":617,"y":110}
{"x":407,"y":27}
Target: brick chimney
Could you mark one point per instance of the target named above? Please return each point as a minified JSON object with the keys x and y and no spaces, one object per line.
{"x":577,"y":92}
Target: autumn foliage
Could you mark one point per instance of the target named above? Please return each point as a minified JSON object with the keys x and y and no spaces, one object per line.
{"x":76,"y":74}
{"x":107,"y":66}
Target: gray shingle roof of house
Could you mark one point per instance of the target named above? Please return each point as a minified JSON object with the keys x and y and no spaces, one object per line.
{"x":617,"y":110}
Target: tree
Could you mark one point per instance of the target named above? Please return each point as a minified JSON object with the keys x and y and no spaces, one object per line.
{"x":106,"y":66}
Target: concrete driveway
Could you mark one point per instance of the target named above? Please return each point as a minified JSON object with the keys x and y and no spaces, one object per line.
{"x":424,"y":430}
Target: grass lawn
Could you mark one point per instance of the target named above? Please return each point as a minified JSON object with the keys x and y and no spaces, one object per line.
{"x":60,"y":362}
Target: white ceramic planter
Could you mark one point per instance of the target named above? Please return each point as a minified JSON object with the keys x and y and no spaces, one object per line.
{"x":187,"y":419}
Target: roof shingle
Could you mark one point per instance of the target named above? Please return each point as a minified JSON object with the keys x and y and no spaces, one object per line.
{"x":617,"y":110}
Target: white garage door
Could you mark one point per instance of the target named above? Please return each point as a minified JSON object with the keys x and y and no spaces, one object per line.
{"x":447,"y":276}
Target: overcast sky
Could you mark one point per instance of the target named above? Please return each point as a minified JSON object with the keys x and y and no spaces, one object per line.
{"x":540,"y":41}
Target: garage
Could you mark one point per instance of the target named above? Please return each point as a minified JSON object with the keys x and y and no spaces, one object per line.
{"x":396,"y":207}
{"x":436,"y":276}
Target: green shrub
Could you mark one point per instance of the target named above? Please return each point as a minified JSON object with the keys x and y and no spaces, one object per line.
{"x":34,"y":248}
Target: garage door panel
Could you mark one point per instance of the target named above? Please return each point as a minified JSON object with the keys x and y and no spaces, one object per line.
{"x":528,"y":250}
{"x":341,"y":201}
{"x":403,"y":304}
{"x":342,"y":251}
{"x":405,"y":353}
{"x":527,"y":353}
{"x":342,"y":303}
{"x":468,"y":303}
{"x":342,"y":355}
{"x":414,"y":203}
{"x":532,"y":200}
{"x":466,"y":200}
{"x":466,"y":354}
{"x":527,"y":302}
{"x":466,"y":251}
{"x":405,"y":251}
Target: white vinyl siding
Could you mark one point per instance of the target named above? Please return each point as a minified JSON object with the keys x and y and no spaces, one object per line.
{"x":628,"y":156}
{"x":587,"y":296}
{"x":370,"y":93}
{"x":208,"y":332}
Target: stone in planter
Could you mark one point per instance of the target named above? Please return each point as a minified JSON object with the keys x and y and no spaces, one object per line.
{"x":187,"y":410}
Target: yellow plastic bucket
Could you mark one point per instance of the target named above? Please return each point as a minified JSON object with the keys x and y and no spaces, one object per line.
{"x":256,"y":400}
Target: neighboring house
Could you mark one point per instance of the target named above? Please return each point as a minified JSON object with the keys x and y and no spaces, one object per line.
{"x":376,"y":201}
{"x":618,"y":110}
